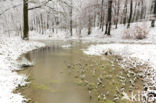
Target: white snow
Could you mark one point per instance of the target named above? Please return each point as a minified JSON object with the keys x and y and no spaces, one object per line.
{"x":10,"y":50}
{"x":144,"y":52}
{"x":67,"y":46}
{"x":97,"y":35}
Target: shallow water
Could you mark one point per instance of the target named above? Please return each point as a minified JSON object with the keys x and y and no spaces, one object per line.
{"x":53,"y":80}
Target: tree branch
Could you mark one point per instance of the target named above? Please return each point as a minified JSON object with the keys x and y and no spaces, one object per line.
{"x":39,"y":6}
{"x":10,"y":8}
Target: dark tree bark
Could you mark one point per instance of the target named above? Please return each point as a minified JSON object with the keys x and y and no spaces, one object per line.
{"x":109,"y":18}
{"x":89,"y":25}
{"x":130,"y":15}
{"x":25,"y":20}
{"x":154,"y":13}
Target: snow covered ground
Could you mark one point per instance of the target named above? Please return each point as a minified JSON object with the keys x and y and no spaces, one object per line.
{"x":10,"y":50}
{"x":97,"y":35}
{"x":144,"y":53}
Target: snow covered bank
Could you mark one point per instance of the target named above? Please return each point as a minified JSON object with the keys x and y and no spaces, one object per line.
{"x":144,"y":53}
{"x":10,"y":50}
{"x":97,"y":35}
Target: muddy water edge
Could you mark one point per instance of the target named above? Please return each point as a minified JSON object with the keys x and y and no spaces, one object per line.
{"x":67,"y":75}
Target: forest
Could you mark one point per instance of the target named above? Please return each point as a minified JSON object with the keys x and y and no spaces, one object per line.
{"x":77,"y":51}
{"x":72,"y":15}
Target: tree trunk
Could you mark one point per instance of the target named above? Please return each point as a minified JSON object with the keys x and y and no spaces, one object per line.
{"x":125,"y":13}
{"x":153,"y":23}
{"x":102,"y":15}
{"x":42,"y":24}
{"x":130,"y":16}
{"x":25,"y":20}
{"x":117,"y":19}
{"x":109,"y":18}
{"x":154,"y":13}
{"x":106,"y":28}
{"x":135,"y":12}
{"x":71,"y":21}
{"x":89,"y":25}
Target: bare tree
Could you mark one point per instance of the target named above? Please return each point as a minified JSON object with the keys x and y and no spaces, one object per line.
{"x":130,"y":15}
{"x":102,"y":15}
{"x":117,"y":11}
{"x":154,"y":13}
{"x":25,"y":20}
{"x":125,"y":13}
{"x":109,"y":18}
{"x":71,"y":17}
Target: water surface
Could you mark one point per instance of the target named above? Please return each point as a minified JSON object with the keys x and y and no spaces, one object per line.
{"x":67,"y":75}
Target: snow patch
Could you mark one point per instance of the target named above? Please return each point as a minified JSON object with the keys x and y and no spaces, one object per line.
{"x":67,"y":46}
{"x":144,"y":52}
{"x":10,"y":50}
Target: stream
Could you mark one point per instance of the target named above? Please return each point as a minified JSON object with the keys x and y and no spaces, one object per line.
{"x":67,"y":75}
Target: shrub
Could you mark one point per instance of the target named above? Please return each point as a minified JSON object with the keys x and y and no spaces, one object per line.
{"x":136,"y":32}
{"x":141,"y":32}
{"x":127,"y":34}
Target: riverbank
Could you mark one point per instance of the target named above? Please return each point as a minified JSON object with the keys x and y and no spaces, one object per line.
{"x":134,"y":54}
{"x":10,"y":50}
{"x":85,"y":79}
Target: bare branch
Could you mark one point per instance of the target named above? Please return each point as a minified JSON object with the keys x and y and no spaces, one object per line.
{"x":10,"y":9}
{"x":39,"y":6}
